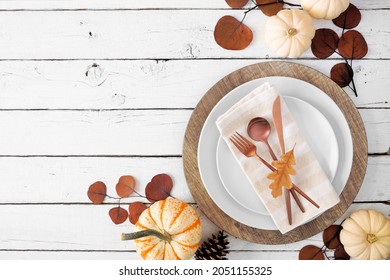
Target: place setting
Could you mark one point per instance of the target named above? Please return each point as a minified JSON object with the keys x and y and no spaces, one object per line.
{"x":270,"y":153}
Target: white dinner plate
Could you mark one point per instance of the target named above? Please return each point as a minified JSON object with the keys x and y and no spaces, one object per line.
{"x":317,"y":132}
{"x":209,"y":137}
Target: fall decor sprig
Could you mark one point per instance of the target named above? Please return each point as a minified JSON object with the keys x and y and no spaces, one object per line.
{"x":350,"y":45}
{"x":233,"y":34}
{"x":331,"y":239}
{"x":159,"y":188}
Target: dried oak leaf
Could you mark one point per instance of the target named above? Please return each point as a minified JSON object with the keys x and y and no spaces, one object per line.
{"x":350,"y":18}
{"x":281,"y":176}
{"x":341,"y":254}
{"x":97,"y":192}
{"x":270,"y":7}
{"x":231,"y":34}
{"x":236,"y":3}
{"x":311,"y":252}
{"x":159,"y":187}
{"x":330,"y":236}
{"x":352,"y":45}
{"x":324,"y":43}
{"x":135,"y":210}
{"x":125,"y":186}
{"x":341,"y":74}
{"x":118,"y":215}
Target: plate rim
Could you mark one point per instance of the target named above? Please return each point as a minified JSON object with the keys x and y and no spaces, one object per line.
{"x":225,"y":85}
{"x":220,"y":141}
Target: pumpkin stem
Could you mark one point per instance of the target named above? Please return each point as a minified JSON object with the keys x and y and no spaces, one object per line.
{"x":292,"y":31}
{"x":139,"y":234}
{"x":371,"y":238}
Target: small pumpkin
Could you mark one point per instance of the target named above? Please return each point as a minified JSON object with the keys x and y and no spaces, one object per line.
{"x":289,"y":33}
{"x":325,"y":9}
{"x":169,"y":229}
{"x":366,"y":235}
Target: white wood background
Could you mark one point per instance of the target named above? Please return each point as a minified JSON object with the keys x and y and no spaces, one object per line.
{"x":92,"y":90}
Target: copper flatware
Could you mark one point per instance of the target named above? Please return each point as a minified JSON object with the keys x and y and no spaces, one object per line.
{"x":248,"y":149}
{"x":259,"y":129}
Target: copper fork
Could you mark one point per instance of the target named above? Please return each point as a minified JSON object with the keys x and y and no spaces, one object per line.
{"x":247,"y":148}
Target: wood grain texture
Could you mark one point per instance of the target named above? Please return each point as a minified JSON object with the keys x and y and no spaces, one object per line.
{"x":88,"y":228}
{"x":124,"y":132}
{"x":144,"y":84}
{"x":223,"y":87}
{"x":183,"y":34}
{"x":64,"y":180}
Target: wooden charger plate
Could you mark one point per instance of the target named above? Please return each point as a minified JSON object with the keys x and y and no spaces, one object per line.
{"x":223,"y":87}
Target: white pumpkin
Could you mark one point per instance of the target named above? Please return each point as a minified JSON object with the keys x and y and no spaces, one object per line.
{"x":366,"y":235}
{"x":325,"y":9}
{"x":289,"y":33}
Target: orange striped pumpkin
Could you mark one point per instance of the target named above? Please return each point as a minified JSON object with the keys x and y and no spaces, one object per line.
{"x":168,"y":230}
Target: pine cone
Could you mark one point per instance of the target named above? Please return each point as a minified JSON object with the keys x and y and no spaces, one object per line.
{"x":216,"y":248}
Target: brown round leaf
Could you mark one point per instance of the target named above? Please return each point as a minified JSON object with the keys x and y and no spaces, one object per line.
{"x":236,"y":3}
{"x":118,"y":215}
{"x":154,"y":192}
{"x":269,"y":7}
{"x":231,"y":34}
{"x":311,"y":252}
{"x":125,"y":186}
{"x":348,"y":19}
{"x":97,"y":192}
{"x":341,"y":254}
{"x":135,"y":210}
{"x":341,"y":74}
{"x":352,"y":45}
{"x":324,"y":43}
{"x":164,"y":181}
{"x":331,"y":236}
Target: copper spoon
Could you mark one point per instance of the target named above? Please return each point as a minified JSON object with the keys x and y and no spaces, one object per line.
{"x":259,"y":129}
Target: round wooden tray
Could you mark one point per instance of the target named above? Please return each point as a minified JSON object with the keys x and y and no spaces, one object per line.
{"x":223,"y":87}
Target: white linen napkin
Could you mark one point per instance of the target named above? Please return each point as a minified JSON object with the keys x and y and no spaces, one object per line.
{"x":310,"y":177}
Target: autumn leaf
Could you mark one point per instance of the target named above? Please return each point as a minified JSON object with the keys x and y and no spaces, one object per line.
{"x":341,"y":74}
{"x":235,"y":4}
{"x":125,"y":186}
{"x":97,"y":192}
{"x":350,"y":18}
{"x":324,"y":43}
{"x":330,"y":236}
{"x":341,"y":254}
{"x":159,"y":188}
{"x":135,"y":210}
{"x":353,"y":45}
{"x":281,"y":176}
{"x":270,"y":7}
{"x":118,"y":215}
{"x":311,"y":252}
{"x":232,"y":34}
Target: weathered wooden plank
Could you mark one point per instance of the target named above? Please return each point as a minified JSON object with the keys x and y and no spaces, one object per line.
{"x":93,"y":132}
{"x":177,"y":34}
{"x":66,"y":180}
{"x":88,"y":227}
{"x":145,"y":4}
{"x":139,"y":84}
{"x":125,"y":132}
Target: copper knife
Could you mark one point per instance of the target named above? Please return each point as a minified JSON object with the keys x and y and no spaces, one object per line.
{"x":277,"y":118}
